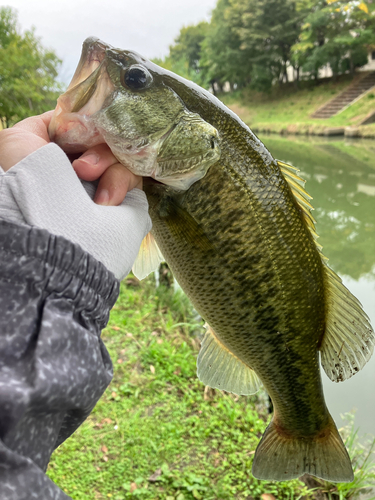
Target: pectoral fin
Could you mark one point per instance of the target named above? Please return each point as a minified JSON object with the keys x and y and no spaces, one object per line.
{"x":348,"y":340}
{"x":185,"y":228}
{"x":220,"y":369}
{"x":148,"y":259}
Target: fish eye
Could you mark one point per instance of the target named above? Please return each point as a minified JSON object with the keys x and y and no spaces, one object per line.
{"x":136,"y":77}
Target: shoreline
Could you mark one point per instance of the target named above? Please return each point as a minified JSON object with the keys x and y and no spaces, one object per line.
{"x":285,"y":111}
{"x":363,"y":132}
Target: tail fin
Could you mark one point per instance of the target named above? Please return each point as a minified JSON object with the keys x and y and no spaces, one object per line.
{"x":280,"y":458}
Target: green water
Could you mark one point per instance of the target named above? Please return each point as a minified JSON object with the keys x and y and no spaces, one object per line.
{"x":340,"y":177}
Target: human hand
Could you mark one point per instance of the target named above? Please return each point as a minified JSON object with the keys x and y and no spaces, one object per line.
{"x":23,"y":139}
{"x":98,"y":162}
{"x":115,"y":180}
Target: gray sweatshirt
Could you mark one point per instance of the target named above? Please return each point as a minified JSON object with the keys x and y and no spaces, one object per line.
{"x":44,"y":191}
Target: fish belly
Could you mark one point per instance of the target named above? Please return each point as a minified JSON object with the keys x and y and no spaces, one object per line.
{"x":241,"y":259}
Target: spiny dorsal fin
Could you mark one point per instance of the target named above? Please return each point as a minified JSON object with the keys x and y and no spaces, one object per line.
{"x":217,"y":367}
{"x":296,"y":184}
{"x":148,"y":259}
{"x":348,"y":340}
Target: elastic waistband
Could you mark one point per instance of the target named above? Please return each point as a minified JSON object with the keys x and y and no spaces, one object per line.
{"x":33,"y":253}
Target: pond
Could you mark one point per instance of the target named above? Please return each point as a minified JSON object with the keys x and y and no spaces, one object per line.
{"x":340,"y":175}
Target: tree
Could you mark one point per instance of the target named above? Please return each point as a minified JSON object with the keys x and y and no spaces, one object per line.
{"x":336,"y":32}
{"x":188,"y":45}
{"x":185,"y":54}
{"x":222,"y":55}
{"x":267,"y":30}
{"x":28,"y":72}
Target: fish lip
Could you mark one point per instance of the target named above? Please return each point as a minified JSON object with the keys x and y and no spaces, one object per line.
{"x":92,"y":55}
{"x":82,"y":100}
{"x":61,"y":132}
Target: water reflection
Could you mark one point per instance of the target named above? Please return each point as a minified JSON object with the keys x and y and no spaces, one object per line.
{"x":340,"y":176}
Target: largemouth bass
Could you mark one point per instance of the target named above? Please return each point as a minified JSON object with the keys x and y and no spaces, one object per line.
{"x":234,"y":225}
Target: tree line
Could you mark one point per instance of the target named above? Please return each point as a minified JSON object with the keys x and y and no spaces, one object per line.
{"x":246,"y":43}
{"x":253,"y":42}
{"x":28,"y":72}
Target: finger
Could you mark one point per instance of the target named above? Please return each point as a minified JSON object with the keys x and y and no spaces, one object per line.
{"x":37,"y":125}
{"x":94,"y":162}
{"x":47,"y":117}
{"x":116,"y":181}
{"x":16,"y":144}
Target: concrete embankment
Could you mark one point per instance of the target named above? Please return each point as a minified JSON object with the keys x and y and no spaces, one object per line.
{"x":365,"y":131}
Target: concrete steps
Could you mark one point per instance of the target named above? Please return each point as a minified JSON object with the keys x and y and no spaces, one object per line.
{"x":346,"y":97}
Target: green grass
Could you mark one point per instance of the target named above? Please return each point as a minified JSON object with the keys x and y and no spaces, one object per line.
{"x":156,"y":419}
{"x":286,"y":109}
{"x":157,"y":433}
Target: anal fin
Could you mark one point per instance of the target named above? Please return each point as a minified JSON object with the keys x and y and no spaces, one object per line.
{"x":148,"y":259}
{"x":217,"y":367}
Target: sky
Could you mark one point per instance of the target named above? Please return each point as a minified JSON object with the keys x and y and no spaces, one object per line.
{"x":146,"y":26}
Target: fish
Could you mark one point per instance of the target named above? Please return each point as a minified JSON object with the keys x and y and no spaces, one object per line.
{"x":235,"y":226}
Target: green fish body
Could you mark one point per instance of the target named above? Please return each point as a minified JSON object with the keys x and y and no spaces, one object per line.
{"x":235,"y":227}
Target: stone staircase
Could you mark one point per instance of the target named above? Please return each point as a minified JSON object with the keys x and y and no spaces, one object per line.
{"x":346,"y":97}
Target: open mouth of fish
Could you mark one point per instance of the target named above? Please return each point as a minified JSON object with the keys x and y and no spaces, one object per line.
{"x":72,"y":126}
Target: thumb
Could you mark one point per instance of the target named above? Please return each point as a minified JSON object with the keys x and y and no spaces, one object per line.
{"x":37,"y":125}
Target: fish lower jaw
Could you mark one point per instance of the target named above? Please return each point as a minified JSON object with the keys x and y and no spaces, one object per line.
{"x":74,"y":133}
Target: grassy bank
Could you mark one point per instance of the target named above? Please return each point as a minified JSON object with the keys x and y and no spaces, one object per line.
{"x":288,"y":110}
{"x":157,"y":433}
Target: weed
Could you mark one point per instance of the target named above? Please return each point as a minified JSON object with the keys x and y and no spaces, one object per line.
{"x":289,"y":110}
{"x":362,"y":457}
{"x":155,"y":434}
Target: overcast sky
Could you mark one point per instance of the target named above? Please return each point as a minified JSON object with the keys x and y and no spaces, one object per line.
{"x":146,"y":26}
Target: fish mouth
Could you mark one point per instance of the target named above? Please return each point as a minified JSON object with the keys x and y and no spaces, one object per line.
{"x":72,"y":127}
{"x":93,"y":54}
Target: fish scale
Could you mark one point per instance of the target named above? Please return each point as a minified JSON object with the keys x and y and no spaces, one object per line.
{"x":270,"y":315}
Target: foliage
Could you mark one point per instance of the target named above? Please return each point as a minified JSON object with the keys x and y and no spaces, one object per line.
{"x":157,"y":433}
{"x":188,"y":45}
{"x":28,"y":72}
{"x":253,"y":42}
{"x":268,"y":29}
{"x":223,"y":56}
{"x":335,"y":32}
{"x":185,"y":55}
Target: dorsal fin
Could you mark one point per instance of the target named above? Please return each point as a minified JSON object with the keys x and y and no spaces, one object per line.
{"x":297,"y":185}
{"x":348,"y":340}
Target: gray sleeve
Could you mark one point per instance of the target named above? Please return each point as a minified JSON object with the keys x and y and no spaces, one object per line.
{"x":43,"y":190}
{"x":55,"y":300}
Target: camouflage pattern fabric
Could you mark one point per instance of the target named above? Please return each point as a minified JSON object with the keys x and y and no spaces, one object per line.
{"x":55,"y":300}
